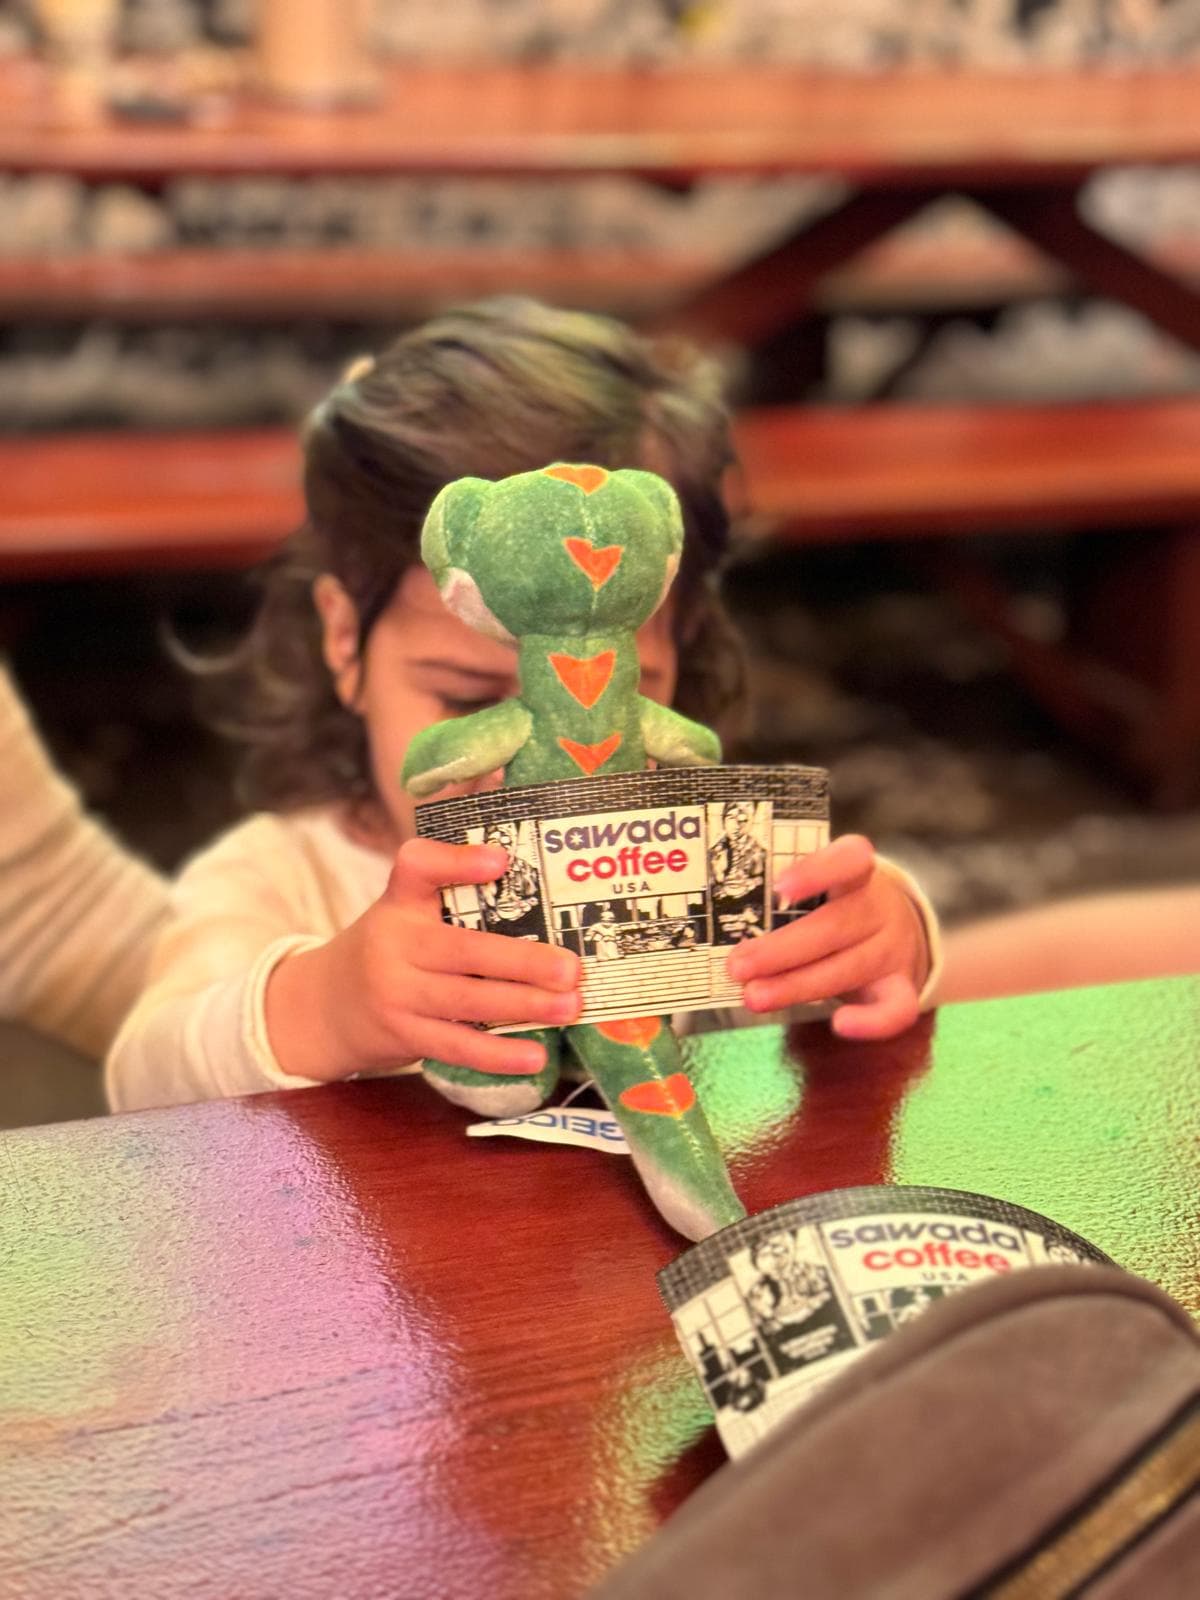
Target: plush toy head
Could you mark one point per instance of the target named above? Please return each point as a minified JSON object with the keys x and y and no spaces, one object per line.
{"x":566,"y":550}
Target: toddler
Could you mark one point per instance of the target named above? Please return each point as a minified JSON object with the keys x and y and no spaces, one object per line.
{"x":307,"y":944}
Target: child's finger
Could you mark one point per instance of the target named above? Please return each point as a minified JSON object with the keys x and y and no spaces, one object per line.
{"x":890,"y":1007}
{"x":484,"y":1000}
{"x":423,"y":866}
{"x":844,"y":865}
{"x":832,"y":927}
{"x":820,"y":980}
{"x":460,"y":1046}
{"x":492,"y":955}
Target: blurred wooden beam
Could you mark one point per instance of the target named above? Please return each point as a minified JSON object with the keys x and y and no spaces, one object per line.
{"x":338,"y":283}
{"x":674,"y":124}
{"x":904,"y":471}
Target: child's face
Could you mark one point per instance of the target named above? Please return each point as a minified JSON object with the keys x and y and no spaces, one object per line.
{"x":422,"y":664}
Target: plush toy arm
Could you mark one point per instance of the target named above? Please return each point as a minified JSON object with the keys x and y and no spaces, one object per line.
{"x":677,"y":741}
{"x":463,"y":748}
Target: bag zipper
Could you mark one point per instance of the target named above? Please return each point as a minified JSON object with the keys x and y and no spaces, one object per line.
{"x":1126,"y":1510}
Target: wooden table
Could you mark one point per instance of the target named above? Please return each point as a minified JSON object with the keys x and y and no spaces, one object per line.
{"x":322,"y":1344}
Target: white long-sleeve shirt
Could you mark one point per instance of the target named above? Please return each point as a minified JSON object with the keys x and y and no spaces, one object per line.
{"x":79,"y":915}
{"x":271,"y":886}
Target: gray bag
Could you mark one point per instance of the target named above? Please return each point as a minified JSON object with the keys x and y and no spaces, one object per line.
{"x":1033,"y":1437}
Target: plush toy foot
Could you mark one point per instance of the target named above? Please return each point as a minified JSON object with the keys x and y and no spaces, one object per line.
{"x":685,"y":1211}
{"x":499,"y":1094}
{"x":639,"y":1071}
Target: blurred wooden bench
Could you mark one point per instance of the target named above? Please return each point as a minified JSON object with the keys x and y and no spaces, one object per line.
{"x":96,"y":504}
{"x":100,"y":501}
{"x":1127,"y":677}
{"x":353,"y":284}
{"x":911,"y":471}
{"x":105,"y":502}
{"x":904,"y":272}
{"x":110,"y":503}
{"x":1019,"y":144}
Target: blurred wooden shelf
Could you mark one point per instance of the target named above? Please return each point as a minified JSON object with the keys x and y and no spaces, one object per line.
{"x":1018,"y":143}
{"x":101,"y":502}
{"x":910,"y":471}
{"x":210,"y":282}
{"x":352,"y":284}
{"x":899,"y":273}
{"x":674,"y":125}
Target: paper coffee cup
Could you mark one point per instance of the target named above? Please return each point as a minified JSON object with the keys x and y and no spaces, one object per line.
{"x":776,"y":1305}
{"x":649,"y":877}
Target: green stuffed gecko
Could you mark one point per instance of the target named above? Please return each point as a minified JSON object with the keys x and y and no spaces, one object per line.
{"x":568,"y":563}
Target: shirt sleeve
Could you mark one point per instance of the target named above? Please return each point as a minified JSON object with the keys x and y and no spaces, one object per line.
{"x":928,"y":919}
{"x":199,"y":1032}
{"x":79,"y":914}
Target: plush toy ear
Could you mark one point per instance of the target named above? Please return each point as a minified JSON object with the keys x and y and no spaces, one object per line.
{"x":664,"y":499}
{"x":448,"y":525}
{"x":446,"y":551}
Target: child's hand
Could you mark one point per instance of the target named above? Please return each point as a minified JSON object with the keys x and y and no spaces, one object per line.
{"x":400,"y":984}
{"x":867,"y":944}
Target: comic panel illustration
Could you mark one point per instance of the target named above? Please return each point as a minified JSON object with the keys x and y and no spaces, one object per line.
{"x":738,"y":831}
{"x":667,"y":922}
{"x":514,"y":904}
{"x":461,"y":907}
{"x":791,"y":1300}
{"x":596,"y":928}
{"x":882,"y":1310}
{"x":611,"y":930}
{"x":726,"y":1352}
{"x":790,"y":841}
{"x":770,"y":1330}
{"x":735,"y":1379}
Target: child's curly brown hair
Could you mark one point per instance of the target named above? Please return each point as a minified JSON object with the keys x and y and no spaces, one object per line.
{"x":489,"y":389}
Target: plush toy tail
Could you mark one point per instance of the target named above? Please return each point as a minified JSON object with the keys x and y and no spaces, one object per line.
{"x":500,"y":1094}
{"x":638,"y":1069}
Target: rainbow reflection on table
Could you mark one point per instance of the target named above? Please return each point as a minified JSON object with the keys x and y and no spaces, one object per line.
{"x":322,"y":1343}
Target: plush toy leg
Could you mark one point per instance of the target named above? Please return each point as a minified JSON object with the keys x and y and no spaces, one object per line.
{"x":639,"y":1070}
{"x":500,"y":1094}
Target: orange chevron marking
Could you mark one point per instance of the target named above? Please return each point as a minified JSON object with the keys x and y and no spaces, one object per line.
{"x":587,"y":757}
{"x":668,"y":1097}
{"x":584,"y":681}
{"x":599,"y":565}
{"x":639,"y":1031}
{"x":589,"y":479}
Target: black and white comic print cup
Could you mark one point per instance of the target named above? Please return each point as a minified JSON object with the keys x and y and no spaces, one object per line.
{"x":649,"y":877}
{"x":776,"y":1305}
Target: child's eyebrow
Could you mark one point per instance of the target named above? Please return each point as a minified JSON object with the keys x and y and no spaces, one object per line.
{"x":474,"y":674}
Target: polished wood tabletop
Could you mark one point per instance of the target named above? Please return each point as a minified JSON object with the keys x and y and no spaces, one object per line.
{"x":322,"y":1343}
{"x":672,"y":123}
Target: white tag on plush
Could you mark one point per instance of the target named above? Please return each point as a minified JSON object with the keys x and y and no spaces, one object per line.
{"x":594,"y":1130}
